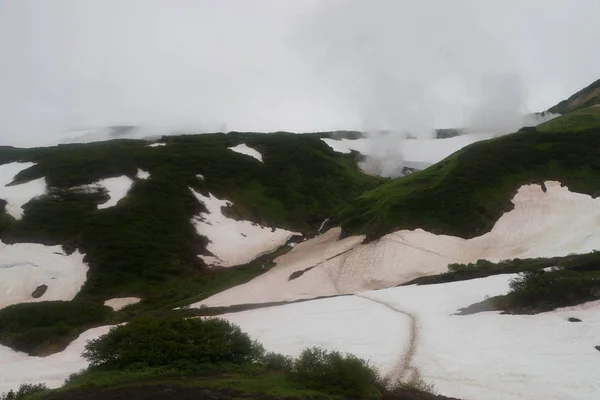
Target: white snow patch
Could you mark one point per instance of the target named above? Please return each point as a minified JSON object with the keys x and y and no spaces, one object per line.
{"x":156,"y":145}
{"x":119,"y":303}
{"x":200,"y":176}
{"x":555,"y":223}
{"x":117,"y":189}
{"x":486,"y":355}
{"x":234,"y":242}
{"x":427,"y":151}
{"x":25,"y":266}
{"x":18,"y":195}
{"x":17,"y":368}
{"x":141,"y":174}
{"x":347,"y":324}
{"x":248,"y":151}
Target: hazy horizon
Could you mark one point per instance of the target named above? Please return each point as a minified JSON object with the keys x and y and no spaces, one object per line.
{"x":303,"y":65}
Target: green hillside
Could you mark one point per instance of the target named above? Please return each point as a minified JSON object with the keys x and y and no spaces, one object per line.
{"x":465,"y":194}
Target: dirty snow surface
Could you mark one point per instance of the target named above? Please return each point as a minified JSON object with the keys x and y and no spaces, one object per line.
{"x":428,"y":151}
{"x":234,"y":242}
{"x":26,"y":266}
{"x":413,"y":331}
{"x":17,"y":368}
{"x":16,"y":196}
{"x":534,"y":228}
{"x":248,"y":151}
{"x":120,"y":303}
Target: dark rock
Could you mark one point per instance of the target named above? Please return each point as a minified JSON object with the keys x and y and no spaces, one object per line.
{"x":597,"y":348}
{"x":574,"y":319}
{"x":39,"y":291}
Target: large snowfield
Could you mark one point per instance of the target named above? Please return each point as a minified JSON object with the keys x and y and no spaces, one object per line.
{"x":234,"y":242}
{"x":412,"y":331}
{"x":26,"y":266}
{"x":536,"y":227}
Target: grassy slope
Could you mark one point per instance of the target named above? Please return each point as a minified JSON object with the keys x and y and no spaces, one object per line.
{"x":466,"y":193}
{"x":577,"y":121}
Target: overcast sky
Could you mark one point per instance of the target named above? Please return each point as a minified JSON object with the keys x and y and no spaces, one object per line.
{"x":298,"y":65}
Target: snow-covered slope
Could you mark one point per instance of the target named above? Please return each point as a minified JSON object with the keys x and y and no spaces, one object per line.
{"x":428,"y":151}
{"x":26,"y":266}
{"x":247,"y":151}
{"x":17,"y":195}
{"x":534,"y":228}
{"x":17,"y":368}
{"x":480,"y":356}
{"x":234,"y":242}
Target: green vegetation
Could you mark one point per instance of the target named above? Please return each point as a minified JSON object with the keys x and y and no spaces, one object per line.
{"x":212,"y":352}
{"x":154,"y":342}
{"x":335,"y":373}
{"x":24,"y":391}
{"x":45,"y":327}
{"x":465,"y":194}
{"x":538,"y":291}
{"x":576,"y":121}
{"x":543,"y":284}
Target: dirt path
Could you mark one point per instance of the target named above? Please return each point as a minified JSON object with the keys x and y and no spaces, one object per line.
{"x":404,"y":369}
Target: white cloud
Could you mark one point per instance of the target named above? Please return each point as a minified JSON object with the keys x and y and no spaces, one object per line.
{"x":268,"y":65}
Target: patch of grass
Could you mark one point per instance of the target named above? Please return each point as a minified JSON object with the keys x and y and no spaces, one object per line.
{"x":584,"y":98}
{"x":465,"y":194}
{"x":483,"y":268}
{"x":576,"y":121}
{"x":46,"y":327}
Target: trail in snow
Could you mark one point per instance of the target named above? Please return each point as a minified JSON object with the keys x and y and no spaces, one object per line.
{"x":404,"y":366}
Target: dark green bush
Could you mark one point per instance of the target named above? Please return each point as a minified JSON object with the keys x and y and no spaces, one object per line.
{"x":277,"y":362}
{"x":154,"y":342}
{"x":40,"y":328}
{"x":335,"y":373}
{"x":24,"y":390}
{"x":548,"y":290}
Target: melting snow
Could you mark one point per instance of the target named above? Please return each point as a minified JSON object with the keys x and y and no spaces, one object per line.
{"x":17,"y":368}
{"x":536,"y":227}
{"x":480,"y":356}
{"x":25,"y":266}
{"x":117,"y":189}
{"x":141,"y":174}
{"x":18,"y":195}
{"x":234,"y":242}
{"x":121,"y":302}
{"x":156,"y":145}
{"x":248,"y":151}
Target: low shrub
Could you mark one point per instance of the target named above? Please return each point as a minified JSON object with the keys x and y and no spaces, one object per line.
{"x":548,"y":290}
{"x":24,"y":390}
{"x":177,"y":342}
{"x":44,"y":327}
{"x":333,"y":372}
